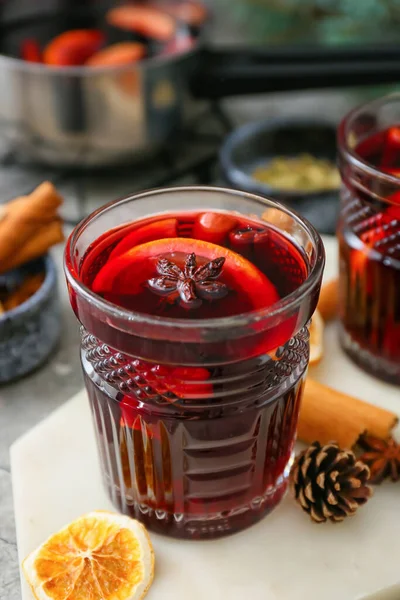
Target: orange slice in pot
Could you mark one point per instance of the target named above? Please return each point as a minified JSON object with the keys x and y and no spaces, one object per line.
{"x":122,"y":53}
{"x":148,"y":21}
{"x":73,"y":47}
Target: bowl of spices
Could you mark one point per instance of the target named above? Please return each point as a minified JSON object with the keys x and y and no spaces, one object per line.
{"x":29,"y":317}
{"x":290,"y":159}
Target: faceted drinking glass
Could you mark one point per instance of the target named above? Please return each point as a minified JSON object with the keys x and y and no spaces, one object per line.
{"x":369,"y":237}
{"x":212,"y":461}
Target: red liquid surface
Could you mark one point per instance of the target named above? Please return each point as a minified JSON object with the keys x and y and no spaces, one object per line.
{"x":369,"y":237}
{"x":195,"y":439}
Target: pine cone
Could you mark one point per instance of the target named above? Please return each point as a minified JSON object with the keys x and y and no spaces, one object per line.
{"x":329,"y":483}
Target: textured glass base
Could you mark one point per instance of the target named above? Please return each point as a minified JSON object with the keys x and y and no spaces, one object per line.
{"x":372,"y":364}
{"x":209,"y":526}
{"x":195,"y":467}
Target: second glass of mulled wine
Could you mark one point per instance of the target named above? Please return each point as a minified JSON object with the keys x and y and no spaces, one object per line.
{"x":369,"y":237}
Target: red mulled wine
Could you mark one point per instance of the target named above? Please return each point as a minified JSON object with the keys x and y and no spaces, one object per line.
{"x":369,"y":237}
{"x":195,"y":404}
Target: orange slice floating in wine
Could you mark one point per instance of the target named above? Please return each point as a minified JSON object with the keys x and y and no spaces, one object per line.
{"x":165,"y":228}
{"x":213,"y":227}
{"x":128,"y":272}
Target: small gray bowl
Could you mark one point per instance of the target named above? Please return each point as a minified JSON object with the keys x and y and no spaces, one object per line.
{"x":257,"y":143}
{"x":29,"y":332}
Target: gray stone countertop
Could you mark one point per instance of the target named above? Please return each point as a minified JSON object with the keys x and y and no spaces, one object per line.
{"x":28,"y":401}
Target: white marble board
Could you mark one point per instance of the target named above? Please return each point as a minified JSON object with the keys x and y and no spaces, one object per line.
{"x":56,"y":478}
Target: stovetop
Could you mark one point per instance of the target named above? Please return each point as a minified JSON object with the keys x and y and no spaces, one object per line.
{"x":189,"y":159}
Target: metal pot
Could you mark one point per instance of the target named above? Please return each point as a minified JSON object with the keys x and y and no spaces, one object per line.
{"x":90,"y":117}
{"x":80,"y":116}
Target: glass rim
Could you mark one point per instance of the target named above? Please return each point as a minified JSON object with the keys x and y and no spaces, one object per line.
{"x":349,"y":154}
{"x":286,"y":304}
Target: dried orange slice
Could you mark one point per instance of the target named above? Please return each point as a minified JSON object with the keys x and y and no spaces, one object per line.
{"x":100,"y":556}
{"x":316,"y":338}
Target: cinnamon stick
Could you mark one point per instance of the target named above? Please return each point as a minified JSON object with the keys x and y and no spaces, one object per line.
{"x":45,"y":237}
{"x":328,"y":415}
{"x":29,"y":286}
{"x":328,"y":300}
{"x":22,"y":217}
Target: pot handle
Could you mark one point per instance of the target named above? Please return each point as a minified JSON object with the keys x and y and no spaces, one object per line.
{"x":243,"y":71}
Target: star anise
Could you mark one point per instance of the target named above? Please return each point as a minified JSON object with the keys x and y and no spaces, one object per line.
{"x":192,"y":284}
{"x":382,"y":457}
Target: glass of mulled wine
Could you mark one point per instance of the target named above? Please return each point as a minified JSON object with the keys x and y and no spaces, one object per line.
{"x":194,"y":349}
{"x":369,"y":237}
